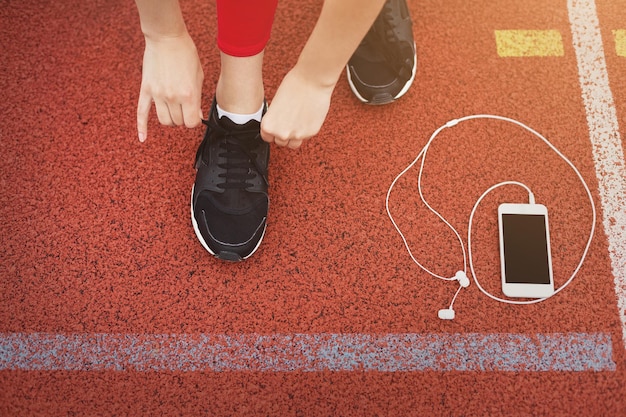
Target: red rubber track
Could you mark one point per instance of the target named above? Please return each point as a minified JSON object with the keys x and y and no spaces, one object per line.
{"x":96,"y":234}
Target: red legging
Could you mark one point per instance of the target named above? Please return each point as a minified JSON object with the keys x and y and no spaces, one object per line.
{"x":244,"y":26}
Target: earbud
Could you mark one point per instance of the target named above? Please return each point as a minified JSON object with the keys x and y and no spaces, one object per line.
{"x":446,"y":314}
{"x":462,"y":278}
{"x":464,"y":282}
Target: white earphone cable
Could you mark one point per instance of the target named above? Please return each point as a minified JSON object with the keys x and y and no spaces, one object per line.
{"x":422,"y":156}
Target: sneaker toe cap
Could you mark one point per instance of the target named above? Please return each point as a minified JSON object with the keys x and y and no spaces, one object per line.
{"x":231,"y":237}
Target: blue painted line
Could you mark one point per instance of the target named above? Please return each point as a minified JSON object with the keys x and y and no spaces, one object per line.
{"x":306,"y":352}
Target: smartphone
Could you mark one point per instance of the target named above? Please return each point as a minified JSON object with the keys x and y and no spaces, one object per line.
{"x":525,"y":259}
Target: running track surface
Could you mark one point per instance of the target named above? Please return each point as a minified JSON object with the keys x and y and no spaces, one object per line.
{"x":109,"y":306}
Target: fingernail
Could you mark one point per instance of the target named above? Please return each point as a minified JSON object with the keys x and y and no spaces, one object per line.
{"x":142,"y":137}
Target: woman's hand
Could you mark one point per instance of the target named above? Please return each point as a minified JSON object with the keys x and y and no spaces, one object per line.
{"x":172,"y":78}
{"x":297,"y":111}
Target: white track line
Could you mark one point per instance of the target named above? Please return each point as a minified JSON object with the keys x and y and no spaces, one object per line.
{"x":604,"y":134}
{"x":316,"y":352}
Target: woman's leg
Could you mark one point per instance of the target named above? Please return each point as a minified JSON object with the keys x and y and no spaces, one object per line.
{"x":244,"y":28}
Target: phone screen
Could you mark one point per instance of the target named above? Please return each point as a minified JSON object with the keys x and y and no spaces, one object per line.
{"x":526,"y":258}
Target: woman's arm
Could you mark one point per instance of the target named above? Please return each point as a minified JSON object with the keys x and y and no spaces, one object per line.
{"x":301,"y":103}
{"x":172,"y":74}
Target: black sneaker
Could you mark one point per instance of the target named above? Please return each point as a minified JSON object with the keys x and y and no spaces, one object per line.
{"x":383,"y":66}
{"x":229,"y":200}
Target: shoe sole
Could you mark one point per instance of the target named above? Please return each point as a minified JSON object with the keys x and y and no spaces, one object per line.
{"x":384,"y":98}
{"x":227,"y":256}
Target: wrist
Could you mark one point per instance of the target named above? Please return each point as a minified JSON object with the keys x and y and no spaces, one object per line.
{"x":317,"y":75}
{"x":164,"y":34}
{"x":169,"y":41}
{"x":161,"y":19}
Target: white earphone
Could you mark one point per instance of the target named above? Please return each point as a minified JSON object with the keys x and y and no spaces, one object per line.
{"x":461,"y":276}
{"x":464,"y":282}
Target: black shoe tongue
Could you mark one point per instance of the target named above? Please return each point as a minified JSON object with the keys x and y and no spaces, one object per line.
{"x":251,"y":128}
{"x":228,"y":124}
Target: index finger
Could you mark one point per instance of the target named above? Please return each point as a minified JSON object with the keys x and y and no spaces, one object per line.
{"x":143,"y":110}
